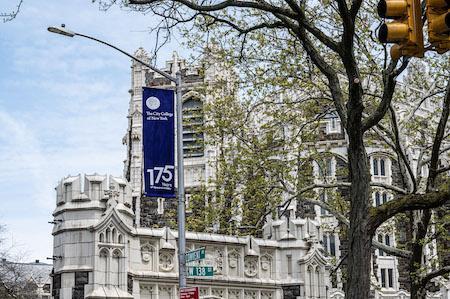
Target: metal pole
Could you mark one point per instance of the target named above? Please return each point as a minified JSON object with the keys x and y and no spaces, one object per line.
{"x":180,"y":169}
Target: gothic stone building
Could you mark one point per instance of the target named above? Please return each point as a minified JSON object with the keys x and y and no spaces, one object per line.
{"x":109,"y":242}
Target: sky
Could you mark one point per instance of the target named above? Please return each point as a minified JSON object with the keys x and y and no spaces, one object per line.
{"x":63,"y":107}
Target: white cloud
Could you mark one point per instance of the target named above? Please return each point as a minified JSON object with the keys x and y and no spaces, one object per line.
{"x":63,"y":106}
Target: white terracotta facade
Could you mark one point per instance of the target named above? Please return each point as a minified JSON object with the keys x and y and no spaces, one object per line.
{"x":101,"y":250}
{"x":94,"y":235}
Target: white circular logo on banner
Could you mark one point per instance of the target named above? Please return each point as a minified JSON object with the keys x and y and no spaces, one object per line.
{"x":153,"y":103}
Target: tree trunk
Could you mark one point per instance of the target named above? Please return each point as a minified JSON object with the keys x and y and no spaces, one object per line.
{"x":421,"y":220}
{"x":360,"y":239}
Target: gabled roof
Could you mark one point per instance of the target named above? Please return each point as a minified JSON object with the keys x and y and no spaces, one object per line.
{"x":113,"y":216}
{"x":314,"y":254}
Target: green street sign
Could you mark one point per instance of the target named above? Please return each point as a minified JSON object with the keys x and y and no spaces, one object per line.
{"x":195,"y":255}
{"x":200,"y":271}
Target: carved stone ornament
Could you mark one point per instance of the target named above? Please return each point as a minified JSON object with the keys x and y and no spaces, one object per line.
{"x":145,"y":288}
{"x":218,"y":261}
{"x":250,"y":295}
{"x":233,"y":260}
{"x":266,"y":262}
{"x":218,"y":292}
{"x":204,"y":291}
{"x":166,"y":261}
{"x":266,"y":295}
{"x":250,"y":266}
{"x":165,"y":290}
{"x":234,"y":294}
{"x":147,"y":253}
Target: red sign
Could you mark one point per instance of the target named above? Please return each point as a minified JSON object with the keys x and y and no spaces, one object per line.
{"x":189,"y":293}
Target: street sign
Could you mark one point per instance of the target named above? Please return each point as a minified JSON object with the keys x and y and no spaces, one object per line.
{"x":195,"y":255}
{"x":200,"y":271}
{"x":189,"y":293}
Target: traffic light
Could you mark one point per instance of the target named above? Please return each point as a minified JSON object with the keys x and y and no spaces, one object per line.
{"x":406,"y":29}
{"x":438,"y":16}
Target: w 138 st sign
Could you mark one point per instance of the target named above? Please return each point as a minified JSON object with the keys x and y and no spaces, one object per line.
{"x":158,"y":133}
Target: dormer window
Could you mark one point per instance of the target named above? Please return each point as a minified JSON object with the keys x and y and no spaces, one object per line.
{"x":325,"y":168}
{"x":329,"y":243}
{"x":160,"y":205}
{"x":380,"y":169}
{"x":386,"y":240}
{"x":323,"y":198}
{"x":333,"y":125}
{"x":68,"y":191}
{"x":381,"y":198}
{"x":193,"y":139}
{"x":379,"y":166}
{"x":95,"y":190}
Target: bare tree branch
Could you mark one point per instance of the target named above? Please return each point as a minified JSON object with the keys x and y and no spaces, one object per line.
{"x":440,"y":131}
{"x":6,"y":17}
{"x":442,"y":271}
{"x":388,"y":92}
{"x":391,"y":250}
{"x":405,"y":203}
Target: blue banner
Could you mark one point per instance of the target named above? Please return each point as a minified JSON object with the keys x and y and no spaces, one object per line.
{"x":158,"y":132}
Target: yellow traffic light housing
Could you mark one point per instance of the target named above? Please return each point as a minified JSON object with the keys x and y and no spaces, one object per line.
{"x":406,"y":29}
{"x":438,"y":16}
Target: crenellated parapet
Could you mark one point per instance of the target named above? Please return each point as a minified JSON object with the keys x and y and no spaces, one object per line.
{"x":82,"y":199}
{"x":90,"y":188}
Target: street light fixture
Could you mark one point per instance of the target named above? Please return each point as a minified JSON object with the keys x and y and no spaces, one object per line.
{"x":180,"y":169}
{"x":61,"y":30}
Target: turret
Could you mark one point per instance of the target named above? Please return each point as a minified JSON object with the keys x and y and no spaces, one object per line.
{"x":83,"y":204}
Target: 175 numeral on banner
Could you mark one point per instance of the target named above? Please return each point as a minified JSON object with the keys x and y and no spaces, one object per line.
{"x":158,"y":173}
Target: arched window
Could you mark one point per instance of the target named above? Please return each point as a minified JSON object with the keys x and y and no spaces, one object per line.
{"x":332,"y":245}
{"x":377,"y":199}
{"x":120,"y":239}
{"x":375,"y":166}
{"x":101,"y":238}
{"x":380,"y":239}
{"x":318,"y":282}
{"x":115,"y":267}
{"x":385,"y":198}
{"x":193,"y":139}
{"x":103,"y":266}
{"x":68,"y":191}
{"x":114,"y":236}
{"x":311,"y":284}
{"x":108,"y":235}
{"x":325,"y":243}
{"x":380,"y":167}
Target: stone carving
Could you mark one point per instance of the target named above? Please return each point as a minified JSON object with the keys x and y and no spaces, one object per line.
{"x":147,"y":251}
{"x":203,"y":292}
{"x":111,"y":235}
{"x":165,"y":291}
{"x":266,"y":295}
{"x":233,"y":259}
{"x":233,"y":263}
{"x":218,"y":292}
{"x":234,"y":294}
{"x":251,"y":266}
{"x":250,"y":294}
{"x":266,"y":265}
{"x":146,"y":289}
{"x":218,"y":261}
{"x":166,"y":261}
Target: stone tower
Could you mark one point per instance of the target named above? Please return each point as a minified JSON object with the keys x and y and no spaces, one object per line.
{"x":159,"y":212}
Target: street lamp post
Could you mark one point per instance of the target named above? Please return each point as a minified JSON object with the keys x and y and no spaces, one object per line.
{"x":180,"y":169}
